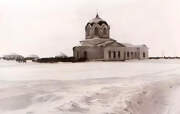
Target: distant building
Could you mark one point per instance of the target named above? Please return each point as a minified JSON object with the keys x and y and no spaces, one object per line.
{"x":61,"y":55}
{"x":32,"y":57}
{"x":16,"y":57}
{"x":13,"y":56}
{"x":99,"y":46}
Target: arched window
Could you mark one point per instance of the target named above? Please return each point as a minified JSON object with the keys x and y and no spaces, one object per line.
{"x":88,"y":29}
{"x":104,"y":31}
{"x":96,"y":31}
{"x":128,"y":54}
{"x":109,"y":53}
{"x":119,"y":54}
{"x":85,"y":54}
{"x":114,"y":54}
{"x":144,"y":54}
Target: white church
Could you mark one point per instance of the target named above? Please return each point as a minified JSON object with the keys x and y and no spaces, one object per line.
{"x":99,"y":46}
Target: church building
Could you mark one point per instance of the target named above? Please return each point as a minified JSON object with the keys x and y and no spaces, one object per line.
{"x":99,"y":46}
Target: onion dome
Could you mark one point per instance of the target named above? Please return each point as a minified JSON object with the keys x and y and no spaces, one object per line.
{"x":97,"y":20}
{"x":97,"y":27}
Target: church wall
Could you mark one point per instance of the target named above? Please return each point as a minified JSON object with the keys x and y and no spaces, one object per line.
{"x":114,"y":53}
{"x":90,"y":53}
{"x":143,"y":53}
{"x":136,"y":53}
{"x":131,"y":53}
{"x":95,"y":53}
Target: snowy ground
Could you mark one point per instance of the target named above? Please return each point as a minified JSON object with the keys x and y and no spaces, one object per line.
{"x":132,"y":87}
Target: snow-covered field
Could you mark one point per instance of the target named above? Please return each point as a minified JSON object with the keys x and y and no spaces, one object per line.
{"x":131,"y":87}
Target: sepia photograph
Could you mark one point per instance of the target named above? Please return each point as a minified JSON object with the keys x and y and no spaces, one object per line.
{"x":89,"y":56}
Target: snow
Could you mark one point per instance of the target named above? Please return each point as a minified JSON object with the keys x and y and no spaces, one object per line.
{"x":131,"y":87}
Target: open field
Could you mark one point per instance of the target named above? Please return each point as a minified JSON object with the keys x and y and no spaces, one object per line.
{"x":131,"y":87}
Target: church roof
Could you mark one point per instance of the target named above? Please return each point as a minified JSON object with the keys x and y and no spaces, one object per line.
{"x":100,"y":42}
{"x":128,"y":45}
{"x":131,"y":45}
{"x":95,"y":41}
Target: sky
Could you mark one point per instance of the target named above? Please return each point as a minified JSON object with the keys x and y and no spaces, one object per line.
{"x":48,"y":27}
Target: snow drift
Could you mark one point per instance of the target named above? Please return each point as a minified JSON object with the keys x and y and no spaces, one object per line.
{"x":152,"y":90}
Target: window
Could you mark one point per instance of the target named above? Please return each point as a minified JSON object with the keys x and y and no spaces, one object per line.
{"x":104,"y":31}
{"x":128,"y":54}
{"x":88,"y":27}
{"x":96,"y":31}
{"x":144,"y":55}
{"x":85,"y":54}
{"x":119,"y":54}
{"x":114,"y":54}
{"x":109,"y":54}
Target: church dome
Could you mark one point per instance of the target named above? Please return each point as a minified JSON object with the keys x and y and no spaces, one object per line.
{"x":97,"y":20}
{"x":97,"y":27}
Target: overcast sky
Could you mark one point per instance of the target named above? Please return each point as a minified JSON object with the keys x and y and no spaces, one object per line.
{"x":47,"y":27}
